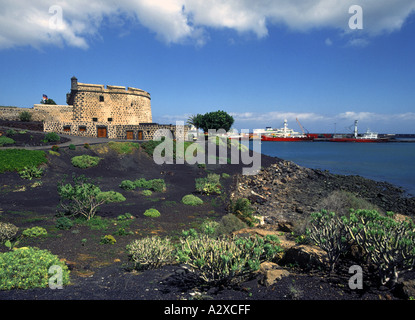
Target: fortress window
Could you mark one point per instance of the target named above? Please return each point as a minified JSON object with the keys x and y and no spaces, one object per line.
{"x":95,"y":119}
{"x":101,"y":98}
{"x":109,"y":119}
{"x":66,"y":128}
{"x":82,"y":128}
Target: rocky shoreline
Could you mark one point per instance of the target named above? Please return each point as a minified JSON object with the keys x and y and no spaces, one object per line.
{"x":285,"y":191}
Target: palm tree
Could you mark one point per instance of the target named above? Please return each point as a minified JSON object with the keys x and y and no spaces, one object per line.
{"x":194,"y":120}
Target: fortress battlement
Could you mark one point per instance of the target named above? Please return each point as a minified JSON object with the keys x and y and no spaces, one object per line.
{"x":109,"y":89}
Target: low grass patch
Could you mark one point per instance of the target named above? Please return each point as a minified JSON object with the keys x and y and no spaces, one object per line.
{"x":18,"y":159}
{"x":95,"y":223}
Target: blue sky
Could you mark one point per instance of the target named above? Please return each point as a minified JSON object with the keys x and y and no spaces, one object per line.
{"x":261,"y":61}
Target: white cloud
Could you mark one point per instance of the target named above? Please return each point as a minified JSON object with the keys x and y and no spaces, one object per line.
{"x":276,"y":116}
{"x":26,"y":22}
{"x":358,"y":42}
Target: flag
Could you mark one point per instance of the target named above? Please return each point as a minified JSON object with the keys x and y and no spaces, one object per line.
{"x":45,"y":97}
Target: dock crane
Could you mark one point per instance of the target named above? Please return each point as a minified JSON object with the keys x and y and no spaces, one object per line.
{"x":302,"y":128}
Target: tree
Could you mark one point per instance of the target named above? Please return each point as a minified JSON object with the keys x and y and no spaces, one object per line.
{"x":195,"y":120}
{"x":213,"y":120}
{"x":47,"y":101}
{"x":84,"y":198}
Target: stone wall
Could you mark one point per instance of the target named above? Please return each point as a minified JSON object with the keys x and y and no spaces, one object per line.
{"x":82,"y":129}
{"x":47,"y":112}
{"x":146,"y":131}
{"x":114,"y":104}
{"x":39,"y":112}
{"x":10,"y":113}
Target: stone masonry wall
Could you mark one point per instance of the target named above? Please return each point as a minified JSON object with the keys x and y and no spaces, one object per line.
{"x":90,"y":129}
{"x":114,"y":104}
{"x":39,"y":112}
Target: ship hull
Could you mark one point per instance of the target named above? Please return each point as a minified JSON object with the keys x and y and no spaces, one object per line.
{"x":265,"y":138}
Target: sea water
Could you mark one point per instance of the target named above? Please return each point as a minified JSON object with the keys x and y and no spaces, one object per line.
{"x":393,"y":162}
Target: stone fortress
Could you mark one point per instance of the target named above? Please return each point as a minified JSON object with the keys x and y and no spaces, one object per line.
{"x":94,"y":110}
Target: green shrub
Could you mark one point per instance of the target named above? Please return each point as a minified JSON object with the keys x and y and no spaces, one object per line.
{"x":209,"y":185}
{"x":31,"y":172}
{"x":388,"y":242}
{"x":142,"y":183}
{"x":225,"y":175}
{"x":85,"y":161}
{"x":157,"y":185}
{"x":328,"y":231}
{"x":7,"y":231}
{"x":146,"y":193}
{"x":125,"y":216}
{"x":108,"y":239}
{"x":54,"y":153}
{"x":18,"y":159}
{"x":25,"y":116}
{"x":35,"y":232}
{"x":154,"y":213}
{"x":26,"y":268}
{"x":122,"y":232}
{"x":6,"y":140}
{"x":224,"y":260}
{"x":64,"y":223}
{"x":10,"y":132}
{"x":127,"y":185}
{"x":341,"y":202}
{"x":209,"y":227}
{"x":243,"y":210}
{"x":84,"y":198}
{"x":109,"y":196}
{"x":52,"y":137}
{"x":229,"y":223}
{"x":150,"y":252}
{"x":72,"y":147}
{"x":192,"y":200}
